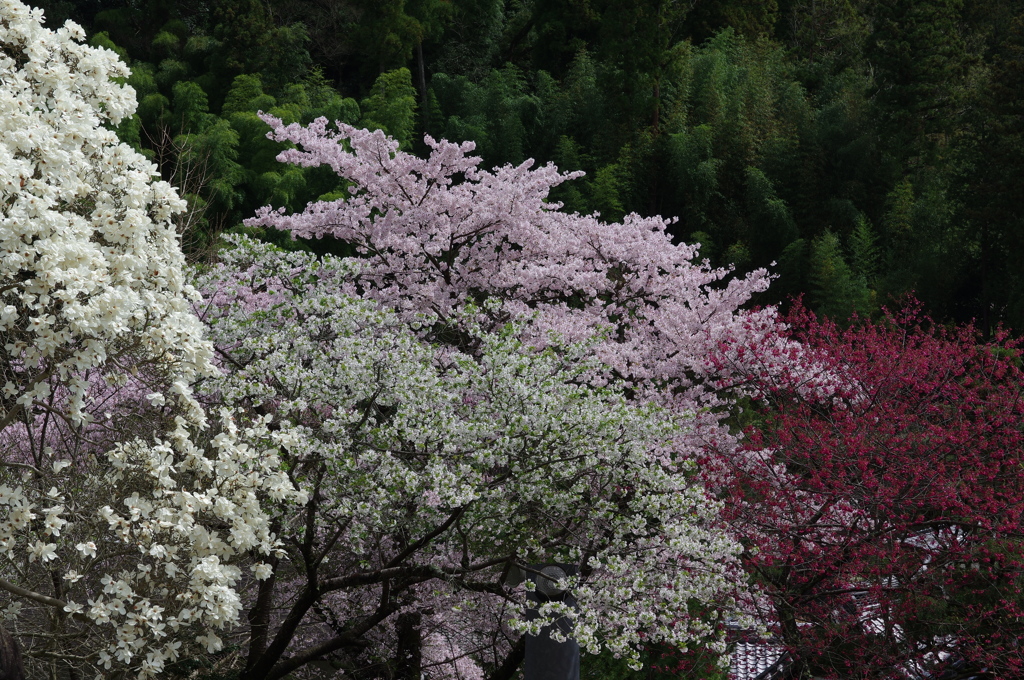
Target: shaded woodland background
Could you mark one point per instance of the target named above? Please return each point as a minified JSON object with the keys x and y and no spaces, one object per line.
{"x":868,"y":148}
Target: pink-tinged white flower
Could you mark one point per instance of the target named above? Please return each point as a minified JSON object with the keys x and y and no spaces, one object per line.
{"x":262,"y":571}
{"x":44,"y":552}
{"x":211,"y":642}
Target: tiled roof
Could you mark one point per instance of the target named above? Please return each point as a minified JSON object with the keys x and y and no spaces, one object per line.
{"x":755,"y":660}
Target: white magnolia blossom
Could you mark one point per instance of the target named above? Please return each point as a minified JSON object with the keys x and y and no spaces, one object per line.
{"x":90,"y":265}
{"x":125,"y":518}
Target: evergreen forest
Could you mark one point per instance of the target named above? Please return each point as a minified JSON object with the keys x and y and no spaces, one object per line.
{"x":861,"y":150}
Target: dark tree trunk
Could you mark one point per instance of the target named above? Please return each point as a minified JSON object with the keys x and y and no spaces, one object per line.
{"x":421,"y":85}
{"x":409,"y":664}
{"x":259,"y":617}
{"x":11,"y":667}
{"x":510,"y":665}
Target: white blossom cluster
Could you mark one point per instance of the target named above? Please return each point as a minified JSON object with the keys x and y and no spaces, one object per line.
{"x":499,"y":452}
{"x":146,"y":541}
{"x":125,"y":518}
{"x":89,"y":260}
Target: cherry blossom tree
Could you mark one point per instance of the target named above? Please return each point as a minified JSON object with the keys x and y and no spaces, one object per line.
{"x":123,"y":513}
{"x":433,"y":468}
{"x":438,"y":231}
{"x":440,"y":236}
{"x":435,"y":232}
{"x":884,"y":525}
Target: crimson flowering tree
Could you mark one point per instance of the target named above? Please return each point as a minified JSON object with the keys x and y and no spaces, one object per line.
{"x":884,"y":524}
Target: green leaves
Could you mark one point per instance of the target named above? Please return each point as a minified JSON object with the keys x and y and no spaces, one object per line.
{"x":391,"y":106}
{"x":837,"y":291}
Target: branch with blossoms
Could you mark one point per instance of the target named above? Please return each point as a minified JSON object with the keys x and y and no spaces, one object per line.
{"x":125,"y":515}
{"x":430,"y":470}
{"x":884,"y":521}
{"x":433,"y":241}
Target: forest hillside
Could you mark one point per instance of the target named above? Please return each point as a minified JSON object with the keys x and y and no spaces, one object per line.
{"x":860,"y":149}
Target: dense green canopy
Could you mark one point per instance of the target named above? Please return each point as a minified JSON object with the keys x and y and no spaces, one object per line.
{"x":867,"y":148}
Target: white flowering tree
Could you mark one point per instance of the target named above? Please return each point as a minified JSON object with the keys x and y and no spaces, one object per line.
{"x":123,"y":514}
{"x":432,"y":469}
{"x":597,"y":310}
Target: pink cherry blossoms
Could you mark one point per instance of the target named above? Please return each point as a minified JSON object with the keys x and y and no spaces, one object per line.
{"x":441,"y":230}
